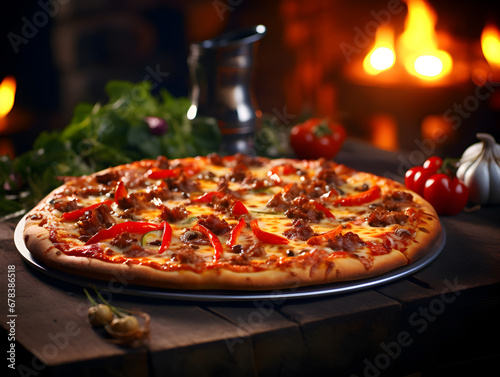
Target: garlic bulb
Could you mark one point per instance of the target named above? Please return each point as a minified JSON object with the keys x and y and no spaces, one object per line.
{"x":480,"y":170}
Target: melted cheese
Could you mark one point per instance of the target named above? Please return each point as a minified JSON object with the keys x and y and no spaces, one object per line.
{"x":353,"y":218}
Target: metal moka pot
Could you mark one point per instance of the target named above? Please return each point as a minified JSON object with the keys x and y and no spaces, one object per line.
{"x":221,"y":71}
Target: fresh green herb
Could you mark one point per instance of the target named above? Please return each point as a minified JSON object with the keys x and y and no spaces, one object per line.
{"x":103,"y":135}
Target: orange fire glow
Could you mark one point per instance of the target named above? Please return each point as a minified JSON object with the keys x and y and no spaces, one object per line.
{"x":382,"y":56}
{"x":384,"y":131}
{"x":417,"y":47}
{"x":7,"y":95}
{"x":418,"y":44}
{"x":490,"y":44}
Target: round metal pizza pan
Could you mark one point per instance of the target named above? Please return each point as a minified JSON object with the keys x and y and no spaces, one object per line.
{"x":201,"y":295}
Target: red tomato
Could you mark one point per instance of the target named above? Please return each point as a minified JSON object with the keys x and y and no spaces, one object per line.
{"x":433,"y":164}
{"x":416,"y":177}
{"x":447,"y":195}
{"x":316,"y":138}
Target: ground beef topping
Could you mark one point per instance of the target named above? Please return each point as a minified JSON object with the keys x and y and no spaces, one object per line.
{"x":65,"y":205}
{"x":346,"y":242}
{"x":162,"y":162}
{"x":108,"y":178}
{"x":381,"y":217}
{"x":214,"y":224}
{"x":246,"y":253}
{"x":187,"y":256}
{"x":302,"y":208}
{"x":281,"y":201}
{"x":182,"y":183}
{"x":316,"y":187}
{"x":136,"y":200}
{"x":397,"y":200}
{"x":330,"y":177}
{"x":247,"y":160}
{"x":215,"y":159}
{"x":96,"y":190}
{"x":95,"y":220}
{"x":239,"y":173}
{"x":123,"y":240}
{"x":174,"y":214}
{"x":300,"y":231}
{"x":223,"y":204}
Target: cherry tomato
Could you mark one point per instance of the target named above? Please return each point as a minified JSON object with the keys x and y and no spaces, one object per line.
{"x":416,"y":177}
{"x":316,"y":138}
{"x":433,"y":164}
{"x":447,"y":195}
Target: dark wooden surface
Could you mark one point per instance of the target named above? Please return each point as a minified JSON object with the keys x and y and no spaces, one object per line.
{"x":443,"y":320}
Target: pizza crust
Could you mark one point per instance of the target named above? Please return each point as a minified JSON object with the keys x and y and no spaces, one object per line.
{"x":424,"y":240}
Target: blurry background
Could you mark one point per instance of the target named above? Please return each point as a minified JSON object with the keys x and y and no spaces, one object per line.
{"x":62,"y":52}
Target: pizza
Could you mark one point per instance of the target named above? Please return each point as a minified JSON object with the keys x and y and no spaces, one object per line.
{"x":234,"y":222}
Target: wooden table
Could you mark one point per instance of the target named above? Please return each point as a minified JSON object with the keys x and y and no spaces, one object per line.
{"x":441,"y":320}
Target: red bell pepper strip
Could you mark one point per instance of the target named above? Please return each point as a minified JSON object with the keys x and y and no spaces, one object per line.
{"x":120,"y":192}
{"x":157,"y":173}
{"x":235,"y":233}
{"x":190,"y":168}
{"x":166,"y":238}
{"x":138,"y":227}
{"x":207,"y":197}
{"x":75,"y":215}
{"x":274,"y":173}
{"x":330,"y":194}
{"x":319,"y":239}
{"x":267,"y":237}
{"x":239,"y":209}
{"x":214,"y":240}
{"x":361,"y":198}
{"x":322,"y":208}
{"x":287,"y":188}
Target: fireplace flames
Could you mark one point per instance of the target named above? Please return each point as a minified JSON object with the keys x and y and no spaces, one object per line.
{"x":417,"y":47}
